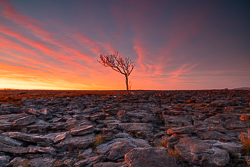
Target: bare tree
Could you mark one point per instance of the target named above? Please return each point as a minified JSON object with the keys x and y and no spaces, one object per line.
{"x":122,"y":65}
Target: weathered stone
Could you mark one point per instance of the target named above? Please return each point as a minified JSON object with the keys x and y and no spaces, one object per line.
{"x":15,"y":150}
{"x":12,"y":117}
{"x":177,"y":121}
{"x":123,"y":135}
{"x":153,"y":156}
{"x":27,"y":102}
{"x":40,"y":162}
{"x":137,"y":127}
{"x":82,"y":130}
{"x":25,"y":121}
{"x":182,"y":130}
{"x":104,"y":148}
{"x":34,"y":112}
{"x":213,"y":135}
{"x":218,"y":129}
{"x":111,"y":112}
{"x":219,"y":103}
{"x":76,"y":142}
{"x":219,"y":158}
{"x":39,"y":126}
{"x":60,"y":137}
{"x":16,"y":161}
{"x":37,"y":149}
{"x":44,"y":111}
{"x":89,"y":161}
{"x":233,"y":124}
{"x":10,"y":142}
{"x":189,"y":149}
{"x":4,"y":160}
{"x":138,"y":115}
{"x":43,"y":140}
{"x":231,"y":147}
{"x":119,"y":149}
{"x":4,"y":125}
{"x":111,"y":164}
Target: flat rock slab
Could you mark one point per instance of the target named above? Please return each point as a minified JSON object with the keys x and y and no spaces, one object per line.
{"x":189,"y":149}
{"x":15,"y":150}
{"x":219,"y":158}
{"x":231,"y":147}
{"x":60,"y":137}
{"x":119,"y":149}
{"x":76,"y":142}
{"x":82,"y":130}
{"x":111,"y":164}
{"x":25,"y":121}
{"x":149,"y":156}
{"x":213,"y":135}
{"x":182,"y":130}
{"x":4,"y":160}
{"x":12,"y":117}
{"x":42,"y":162}
{"x":137,"y":127}
{"x":10,"y":142}
{"x":43,"y":140}
{"x":16,"y":161}
{"x":90,"y":161}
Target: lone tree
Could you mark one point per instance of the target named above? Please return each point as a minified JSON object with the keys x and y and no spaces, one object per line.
{"x":122,"y":65}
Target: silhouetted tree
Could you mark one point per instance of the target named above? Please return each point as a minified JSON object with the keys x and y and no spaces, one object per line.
{"x":122,"y":65}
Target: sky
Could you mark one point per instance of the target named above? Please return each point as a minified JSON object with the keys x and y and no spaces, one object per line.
{"x":175,"y":44}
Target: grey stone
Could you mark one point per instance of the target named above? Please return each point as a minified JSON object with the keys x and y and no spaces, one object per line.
{"x":231,"y":147}
{"x":25,"y":121}
{"x":137,"y":127}
{"x":219,"y":158}
{"x":82,"y":130}
{"x":152,"y":156}
{"x":4,"y":160}
{"x":182,"y":130}
{"x":76,"y":142}
{"x":90,"y":161}
{"x":60,"y":137}
{"x":15,"y":162}
{"x":10,"y":142}
{"x":213,"y":135}
{"x":42,"y":162}
{"x":119,"y":149}
{"x":111,"y":164}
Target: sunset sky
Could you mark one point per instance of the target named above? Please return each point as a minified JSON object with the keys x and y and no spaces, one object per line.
{"x":176,"y":44}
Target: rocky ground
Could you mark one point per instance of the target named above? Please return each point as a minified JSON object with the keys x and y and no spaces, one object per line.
{"x":161,"y":128}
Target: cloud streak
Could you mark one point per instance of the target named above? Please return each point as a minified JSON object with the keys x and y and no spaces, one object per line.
{"x":174,"y":45}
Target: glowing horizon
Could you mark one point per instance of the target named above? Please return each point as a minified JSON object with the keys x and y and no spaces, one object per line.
{"x":175,"y":45}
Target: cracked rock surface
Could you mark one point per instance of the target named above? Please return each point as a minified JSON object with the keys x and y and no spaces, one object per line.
{"x":196,"y":128}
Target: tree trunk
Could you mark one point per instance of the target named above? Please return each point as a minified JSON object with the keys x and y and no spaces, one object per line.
{"x":127,"y":84}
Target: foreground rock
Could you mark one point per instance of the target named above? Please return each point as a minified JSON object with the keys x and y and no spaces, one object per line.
{"x":153,"y":156}
{"x":196,"y":128}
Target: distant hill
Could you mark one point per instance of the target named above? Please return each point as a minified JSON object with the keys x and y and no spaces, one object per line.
{"x":243,"y":88}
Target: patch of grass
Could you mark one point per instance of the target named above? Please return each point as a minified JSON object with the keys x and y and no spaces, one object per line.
{"x":70,"y":126}
{"x":174,"y":154}
{"x":24,"y":163}
{"x":164,"y":143}
{"x":98,"y":141}
{"x":171,"y":152}
{"x":80,"y":156}
{"x":57,"y":163}
{"x":97,"y":152}
{"x":245,"y":139}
